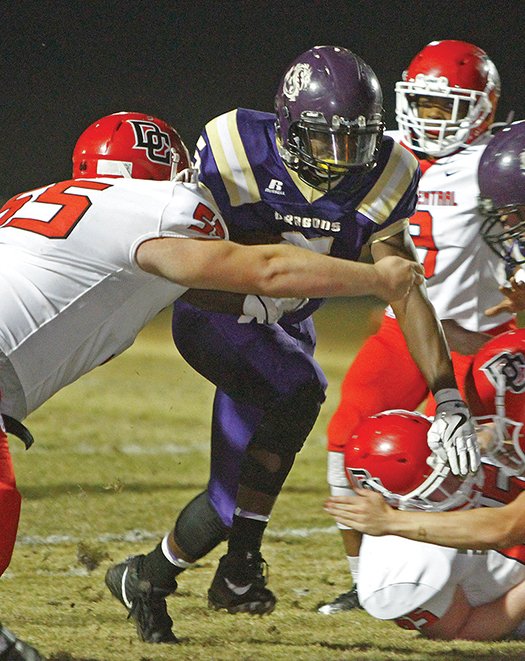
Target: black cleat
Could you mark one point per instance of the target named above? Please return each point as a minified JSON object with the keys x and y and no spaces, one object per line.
{"x":239,"y":585}
{"x":14,"y":649}
{"x":145,"y":603}
{"x":346,"y":601}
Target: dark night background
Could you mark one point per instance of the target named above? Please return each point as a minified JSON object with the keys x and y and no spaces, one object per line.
{"x":65,"y":64}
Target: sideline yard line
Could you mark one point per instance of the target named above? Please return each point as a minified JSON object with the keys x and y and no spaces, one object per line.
{"x":147,"y":535}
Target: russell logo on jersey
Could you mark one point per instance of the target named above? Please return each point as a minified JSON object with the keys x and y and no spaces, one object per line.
{"x":275,"y":187}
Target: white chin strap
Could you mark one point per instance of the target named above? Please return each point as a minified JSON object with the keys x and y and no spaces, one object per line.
{"x":175,"y":158}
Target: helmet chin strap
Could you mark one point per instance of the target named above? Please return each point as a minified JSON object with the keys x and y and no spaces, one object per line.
{"x":187,"y":176}
{"x":175,"y":158}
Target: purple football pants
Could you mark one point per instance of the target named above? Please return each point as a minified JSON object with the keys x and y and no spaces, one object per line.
{"x":252,"y":366}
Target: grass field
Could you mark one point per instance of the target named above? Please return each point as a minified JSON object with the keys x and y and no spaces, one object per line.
{"x":117,"y":454}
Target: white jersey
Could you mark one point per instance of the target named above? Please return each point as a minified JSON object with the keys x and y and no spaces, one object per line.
{"x":414,"y":582}
{"x":462,"y":273}
{"x":71,"y":293}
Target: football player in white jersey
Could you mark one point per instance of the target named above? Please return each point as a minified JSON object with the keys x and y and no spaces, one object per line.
{"x":445,"y":104}
{"x":442,"y":592}
{"x":495,"y":394}
{"x":86,"y":263}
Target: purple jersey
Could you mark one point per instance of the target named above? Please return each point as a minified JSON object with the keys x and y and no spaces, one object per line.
{"x":260,"y":197}
{"x":268,"y":382}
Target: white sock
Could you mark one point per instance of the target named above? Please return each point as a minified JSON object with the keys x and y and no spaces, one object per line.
{"x":178,"y":562}
{"x":353,"y":563}
{"x":245,"y":514}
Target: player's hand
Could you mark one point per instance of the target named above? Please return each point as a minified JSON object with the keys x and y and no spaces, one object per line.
{"x":368,"y":512}
{"x":514,"y":296}
{"x":266,"y":310}
{"x":397,"y":277}
{"x":452,"y":436}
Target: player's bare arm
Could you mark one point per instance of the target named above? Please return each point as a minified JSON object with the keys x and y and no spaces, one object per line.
{"x":482,"y":528}
{"x":276,"y":270}
{"x":452,"y":435}
{"x":425,"y":339}
{"x":461,"y":340}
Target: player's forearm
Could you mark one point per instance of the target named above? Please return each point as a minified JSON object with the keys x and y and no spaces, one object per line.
{"x":484,"y":528}
{"x":273,"y":270}
{"x":425,"y":339}
{"x":299,"y":272}
{"x":461,"y":340}
{"x":287,"y":271}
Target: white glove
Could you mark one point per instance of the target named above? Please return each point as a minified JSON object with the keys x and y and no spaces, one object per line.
{"x":266,"y":310}
{"x":452,"y":435}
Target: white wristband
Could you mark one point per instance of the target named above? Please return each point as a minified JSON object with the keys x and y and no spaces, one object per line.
{"x":447,"y":395}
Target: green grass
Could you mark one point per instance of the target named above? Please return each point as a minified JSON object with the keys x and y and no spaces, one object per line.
{"x":117,"y":454}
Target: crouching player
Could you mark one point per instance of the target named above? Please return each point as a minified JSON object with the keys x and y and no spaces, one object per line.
{"x":443,"y":592}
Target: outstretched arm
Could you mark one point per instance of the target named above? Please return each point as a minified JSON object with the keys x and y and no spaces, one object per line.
{"x":452,"y":435}
{"x":481,"y":528}
{"x":274,"y":270}
{"x":418,"y":320}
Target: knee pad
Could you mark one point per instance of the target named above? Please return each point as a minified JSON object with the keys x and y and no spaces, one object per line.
{"x":198,"y":528}
{"x":288,"y":421}
{"x":265,"y":471}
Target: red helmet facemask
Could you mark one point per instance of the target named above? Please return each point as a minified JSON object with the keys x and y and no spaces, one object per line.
{"x":496,"y":395}
{"x":451,"y":73}
{"x":129,"y":144}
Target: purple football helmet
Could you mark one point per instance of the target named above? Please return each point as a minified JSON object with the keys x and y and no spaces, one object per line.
{"x":501,"y":177}
{"x":329,"y":115}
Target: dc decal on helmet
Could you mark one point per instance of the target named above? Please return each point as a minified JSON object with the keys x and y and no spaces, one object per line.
{"x":149,"y":137}
{"x":129,"y":144}
{"x":509,"y":365}
{"x":495,"y":391}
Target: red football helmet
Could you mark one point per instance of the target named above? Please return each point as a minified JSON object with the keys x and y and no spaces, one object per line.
{"x":129,"y":144}
{"x":463,"y":77}
{"x":496,"y":396}
{"x":388,"y":453}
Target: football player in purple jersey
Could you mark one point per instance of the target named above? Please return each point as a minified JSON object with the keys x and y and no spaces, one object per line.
{"x":501,"y":178}
{"x":318,"y":174}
